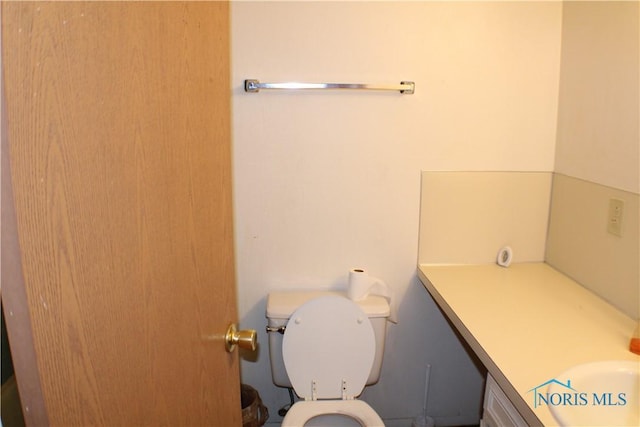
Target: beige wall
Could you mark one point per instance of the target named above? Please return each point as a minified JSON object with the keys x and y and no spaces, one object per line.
{"x":580,"y":246}
{"x":467,"y":217}
{"x":328,"y":181}
{"x":597,"y":154}
{"x":598,"y":118}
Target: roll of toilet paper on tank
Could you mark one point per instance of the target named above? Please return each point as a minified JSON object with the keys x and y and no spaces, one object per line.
{"x":361,"y":285}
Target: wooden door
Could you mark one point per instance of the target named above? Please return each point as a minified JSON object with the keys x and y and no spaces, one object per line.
{"x":118,"y":136}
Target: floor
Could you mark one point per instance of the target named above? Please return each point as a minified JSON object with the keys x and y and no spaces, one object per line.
{"x":11,"y":411}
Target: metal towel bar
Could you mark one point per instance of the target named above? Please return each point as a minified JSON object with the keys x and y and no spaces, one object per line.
{"x":253,"y":85}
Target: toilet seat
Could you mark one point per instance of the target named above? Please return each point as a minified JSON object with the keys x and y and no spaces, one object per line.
{"x":301,"y":412}
{"x":328,"y":349}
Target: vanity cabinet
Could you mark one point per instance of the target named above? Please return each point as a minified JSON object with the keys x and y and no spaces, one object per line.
{"x":488,"y":305}
{"x":498,"y":411}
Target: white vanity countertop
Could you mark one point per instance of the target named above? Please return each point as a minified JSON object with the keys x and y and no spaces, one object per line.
{"x":528,"y":323}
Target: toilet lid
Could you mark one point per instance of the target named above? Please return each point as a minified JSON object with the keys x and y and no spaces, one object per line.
{"x":328,"y":349}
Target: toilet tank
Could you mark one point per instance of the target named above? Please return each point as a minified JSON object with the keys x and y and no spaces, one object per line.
{"x":280,"y":306}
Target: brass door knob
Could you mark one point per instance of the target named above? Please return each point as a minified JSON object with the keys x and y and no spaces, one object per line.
{"x":246,"y":339}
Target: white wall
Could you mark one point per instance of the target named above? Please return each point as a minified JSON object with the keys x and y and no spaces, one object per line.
{"x":328,"y":181}
{"x":599,"y":110}
{"x":598,"y":151}
{"x":485,"y":212}
{"x":579,"y":245}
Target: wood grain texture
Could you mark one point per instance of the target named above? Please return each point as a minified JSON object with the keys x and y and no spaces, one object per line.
{"x":14,"y":297}
{"x":119,"y":123}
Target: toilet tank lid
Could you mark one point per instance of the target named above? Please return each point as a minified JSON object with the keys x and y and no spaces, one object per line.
{"x":281,"y":304}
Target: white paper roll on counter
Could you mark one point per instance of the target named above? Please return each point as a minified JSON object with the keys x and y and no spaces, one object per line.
{"x":505,"y":255}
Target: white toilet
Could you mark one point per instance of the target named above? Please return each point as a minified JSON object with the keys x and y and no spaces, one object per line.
{"x":327,"y":348}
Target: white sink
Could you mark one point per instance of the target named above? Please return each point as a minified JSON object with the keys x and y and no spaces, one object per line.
{"x":597,"y":394}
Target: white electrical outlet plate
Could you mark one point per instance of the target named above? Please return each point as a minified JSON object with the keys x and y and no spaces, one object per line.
{"x":614,"y":219}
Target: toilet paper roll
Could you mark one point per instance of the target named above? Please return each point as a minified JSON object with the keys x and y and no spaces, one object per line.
{"x":505,"y":255}
{"x":361,"y":285}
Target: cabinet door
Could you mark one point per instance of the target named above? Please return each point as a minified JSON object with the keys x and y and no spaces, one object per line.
{"x":498,"y":410}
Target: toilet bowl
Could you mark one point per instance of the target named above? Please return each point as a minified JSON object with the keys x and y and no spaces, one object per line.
{"x":303,"y":413}
{"x":328,"y":351}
